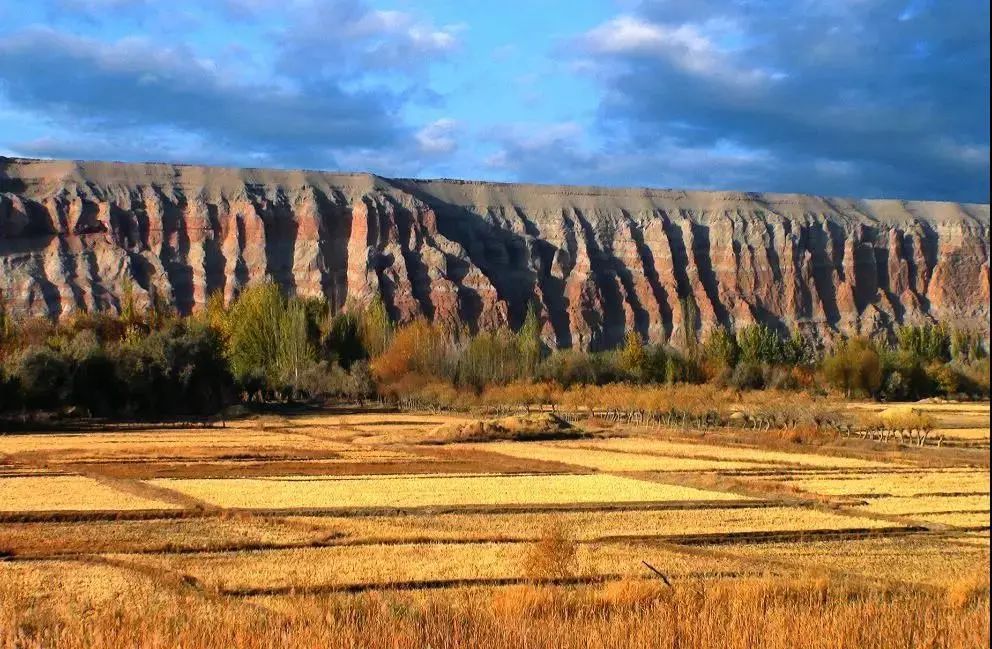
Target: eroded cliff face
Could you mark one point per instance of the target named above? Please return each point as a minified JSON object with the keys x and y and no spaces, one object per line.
{"x":597,"y":262}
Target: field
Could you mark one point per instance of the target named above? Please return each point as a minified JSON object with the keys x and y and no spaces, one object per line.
{"x":359,"y":528}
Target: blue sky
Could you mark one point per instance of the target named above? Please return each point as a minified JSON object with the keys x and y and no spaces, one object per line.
{"x":840,"y":97}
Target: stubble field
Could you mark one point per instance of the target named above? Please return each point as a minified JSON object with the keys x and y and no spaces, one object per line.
{"x":346,"y":528}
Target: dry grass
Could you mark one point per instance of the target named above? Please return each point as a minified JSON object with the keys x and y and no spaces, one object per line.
{"x":776,"y":614}
{"x":587,"y":526}
{"x":68,"y":493}
{"x":899,"y":484}
{"x":48,"y":538}
{"x":610,"y":461}
{"x":553,"y":555}
{"x":957,"y":519}
{"x":517,"y":427}
{"x":762,"y":456}
{"x":423,"y":563}
{"x":916,"y":559}
{"x":905,"y":505}
{"x":970,"y":434}
{"x":430,"y":490}
{"x":227,"y":579}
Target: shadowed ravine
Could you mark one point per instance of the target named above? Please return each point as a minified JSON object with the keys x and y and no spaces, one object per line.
{"x":598,"y":262}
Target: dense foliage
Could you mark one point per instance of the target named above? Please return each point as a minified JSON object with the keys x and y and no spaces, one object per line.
{"x":265,"y":346}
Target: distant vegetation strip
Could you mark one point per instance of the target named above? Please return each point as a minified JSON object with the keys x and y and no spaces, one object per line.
{"x":265,"y":347}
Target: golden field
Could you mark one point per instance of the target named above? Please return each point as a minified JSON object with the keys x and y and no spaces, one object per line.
{"x":360,"y":529}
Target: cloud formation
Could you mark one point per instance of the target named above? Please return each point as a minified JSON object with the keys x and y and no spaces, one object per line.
{"x":893,"y":97}
{"x":841,"y":97}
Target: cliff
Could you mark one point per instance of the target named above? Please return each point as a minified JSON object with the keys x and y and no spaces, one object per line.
{"x":599,"y":262}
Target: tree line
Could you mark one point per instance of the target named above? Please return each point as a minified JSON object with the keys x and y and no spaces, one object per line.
{"x":265,"y":347}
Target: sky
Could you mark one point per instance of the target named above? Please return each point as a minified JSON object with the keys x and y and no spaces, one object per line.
{"x":861,"y":98}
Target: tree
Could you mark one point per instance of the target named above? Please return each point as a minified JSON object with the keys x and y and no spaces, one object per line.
{"x":720,"y":349}
{"x":128,"y":309}
{"x":343,"y":341}
{"x":690,"y":320}
{"x":759,"y":344}
{"x":855,"y":366}
{"x":632,"y":356}
{"x":965,"y":345}
{"x":254,"y":323}
{"x":45,"y":377}
{"x":294,"y":353}
{"x":529,"y":342}
{"x":929,"y":342}
{"x":375,"y":328}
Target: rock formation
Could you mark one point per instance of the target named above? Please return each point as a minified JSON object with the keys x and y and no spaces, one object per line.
{"x":596,"y":262}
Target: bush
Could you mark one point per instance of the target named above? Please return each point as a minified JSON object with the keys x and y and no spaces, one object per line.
{"x":553,"y":556}
{"x":748,"y":376}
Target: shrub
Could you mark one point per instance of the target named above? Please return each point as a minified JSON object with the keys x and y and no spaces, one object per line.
{"x":748,"y":376}
{"x":553,"y":556}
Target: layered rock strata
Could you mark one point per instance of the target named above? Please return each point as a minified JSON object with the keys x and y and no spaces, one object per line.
{"x":596,"y":262}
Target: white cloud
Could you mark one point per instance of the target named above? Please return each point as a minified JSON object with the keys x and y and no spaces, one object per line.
{"x":438,"y":137}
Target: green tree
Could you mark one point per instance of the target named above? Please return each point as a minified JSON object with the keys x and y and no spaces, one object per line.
{"x":529,"y":342}
{"x":720,"y":349}
{"x":632,"y":356}
{"x":759,"y":344}
{"x":854,"y":366}
{"x":343,"y":342}
{"x":45,"y":377}
{"x":967,"y":345}
{"x":294,"y":351}
{"x":375,"y":327}
{"x":690,"y":322}
{"x":929,"y":342}
{"x":254,"y":323}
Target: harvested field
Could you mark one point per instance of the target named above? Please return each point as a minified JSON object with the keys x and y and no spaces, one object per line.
{"x":429,"y":490}
{"x":68,"y":493}
{"x":970,"y":434}
{"x":911,"y":505}
{"x":401,"y":564}
{"x":84,"y":537}
{"x":586,"y":526}
{"x":259,"y":519}
{"x":727,"y":453}
{"x":926,"y":560}
{"x":969,"y":520}
{"x":83,"y":584}
{"x":609,"y":461}
{"x":899,"y":484}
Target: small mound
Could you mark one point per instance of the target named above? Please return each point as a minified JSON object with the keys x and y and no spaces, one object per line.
{"x":517,"y":427}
